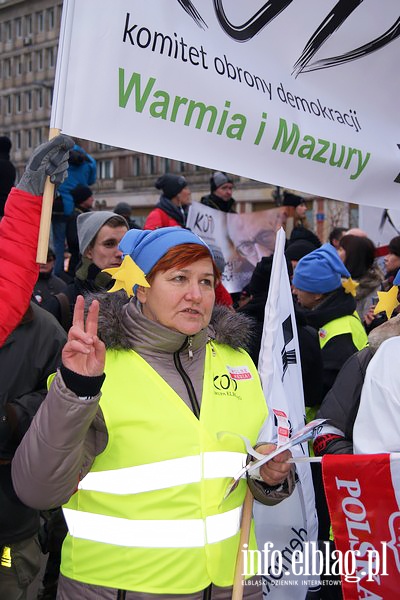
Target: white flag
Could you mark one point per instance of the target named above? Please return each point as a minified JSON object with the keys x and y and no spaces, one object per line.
{"x":293,"y":522}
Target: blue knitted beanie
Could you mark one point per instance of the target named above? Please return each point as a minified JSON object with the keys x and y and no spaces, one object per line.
{"x":146,"y":247}
{"x":320,"y":272}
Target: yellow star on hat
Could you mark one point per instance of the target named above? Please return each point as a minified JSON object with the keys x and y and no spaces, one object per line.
{"x":127,"y":276}
{"x":387,"y":301}
{"x":350,"y":286}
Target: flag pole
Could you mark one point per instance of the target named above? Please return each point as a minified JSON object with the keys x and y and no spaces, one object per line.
{"x":45,"y":217}
{"x":247,"y":511}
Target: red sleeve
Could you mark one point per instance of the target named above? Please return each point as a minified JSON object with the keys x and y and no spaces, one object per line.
{"x":222,"y":296}
{"x":19,"y":230}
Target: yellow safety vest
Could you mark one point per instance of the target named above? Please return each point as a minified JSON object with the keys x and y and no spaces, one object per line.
{"x":347,"y":324}
{"x":149,"y":515}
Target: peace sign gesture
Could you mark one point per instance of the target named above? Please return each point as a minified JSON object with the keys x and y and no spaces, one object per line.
{"x":84,"y":353}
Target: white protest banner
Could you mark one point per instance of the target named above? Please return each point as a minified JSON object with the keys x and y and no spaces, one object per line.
{"x":292,"y":523}
{"x":302,"y":95}
{"x":238,"y":240}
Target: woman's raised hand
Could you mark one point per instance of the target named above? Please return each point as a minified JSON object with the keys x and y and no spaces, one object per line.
{"x":84,"y":353}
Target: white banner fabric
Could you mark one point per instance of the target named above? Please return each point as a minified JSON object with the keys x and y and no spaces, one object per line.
{"x":301,"y":95}
{"x":292,"y":522}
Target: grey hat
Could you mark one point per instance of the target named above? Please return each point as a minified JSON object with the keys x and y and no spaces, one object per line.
{"x":219,"y":178}
{"x":89,"y":224}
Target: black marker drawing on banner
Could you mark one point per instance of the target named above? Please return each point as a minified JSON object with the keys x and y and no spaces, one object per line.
{"x":332,"y":22}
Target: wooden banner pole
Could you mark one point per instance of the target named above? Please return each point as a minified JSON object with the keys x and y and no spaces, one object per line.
{"x":45,"y":217}
{"x":247,"y":512}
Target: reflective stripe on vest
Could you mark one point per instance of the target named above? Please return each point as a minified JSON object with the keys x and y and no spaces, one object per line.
{"x":165,"y":474}
{"x":187,"y":533}
{"x":347,"y":324}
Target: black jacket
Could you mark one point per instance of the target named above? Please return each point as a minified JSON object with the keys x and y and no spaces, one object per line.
{"x":218,"y":203}
{"x":338,"y":349}
{"x":30,"y":354}
{"x":7,"y":179}
{"x":340,"y":405}
{"x":88,"y":279}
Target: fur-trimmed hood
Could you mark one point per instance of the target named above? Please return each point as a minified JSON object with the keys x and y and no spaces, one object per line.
{"x":226,"y":326}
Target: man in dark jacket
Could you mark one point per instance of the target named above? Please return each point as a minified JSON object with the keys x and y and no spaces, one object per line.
{"x":29,"y":356}
{"x":220,"y":198}
{"x":7,"y":171}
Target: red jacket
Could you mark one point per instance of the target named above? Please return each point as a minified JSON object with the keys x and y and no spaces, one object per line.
{"x":159,"y":218}
{"x":19,"y":230}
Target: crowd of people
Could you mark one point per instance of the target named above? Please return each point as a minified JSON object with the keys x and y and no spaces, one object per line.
{"x":110,"y":455}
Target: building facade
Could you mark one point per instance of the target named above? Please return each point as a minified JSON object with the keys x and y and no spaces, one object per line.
{"x":29,"y":32}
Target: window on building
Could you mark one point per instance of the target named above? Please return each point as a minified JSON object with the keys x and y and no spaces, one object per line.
{"x":40,"y":22}
{"x":39,"y":136}
{"x":150,"y":165}
{"x":20,"y":66}
{"x":18,"y":140}
{"x":18,"y":103}
{"x":136,"y":166}
{"x":29,"y":63}
{"x":7,"y":68}
{"x":39,"y":60}
{"x":8,"y":30}
{"x":50,"y":18}
{"x":9,"y":105}
{"x":39,"y":98}
{"x":28,"y":25}
{"x":51,"y":57}
{"x":182,"y":167}
{"x":18,"y":27}
{"x":167,"y":165}
{"x":105,"y":169}
{"x":29,"y":138}
{"x":28,"y":100}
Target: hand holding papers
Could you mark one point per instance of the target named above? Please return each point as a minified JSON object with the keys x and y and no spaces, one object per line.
{"x":302,"y":435}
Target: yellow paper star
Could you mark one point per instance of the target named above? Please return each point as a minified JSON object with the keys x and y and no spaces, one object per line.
{"x":127,"y":276}
{"x":387,"y":301}
{"x":350,"y":286}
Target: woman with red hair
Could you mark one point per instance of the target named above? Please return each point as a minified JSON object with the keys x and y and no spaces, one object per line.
{"x":140,"y":433}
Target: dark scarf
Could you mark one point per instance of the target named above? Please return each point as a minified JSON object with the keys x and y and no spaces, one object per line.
{"x":91,"y":278}
{"x":220,"y":204}
{"x":175,"y":212}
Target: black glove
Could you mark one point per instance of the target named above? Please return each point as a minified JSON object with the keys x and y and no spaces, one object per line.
{"x":49,"y":159}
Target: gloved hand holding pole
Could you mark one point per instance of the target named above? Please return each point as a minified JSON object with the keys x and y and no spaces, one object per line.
{"x":47,"y":168}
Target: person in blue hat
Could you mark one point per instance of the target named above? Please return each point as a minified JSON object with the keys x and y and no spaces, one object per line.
{"x":324,"y":289}
{"x":138,"y":436}
{"x":326,"y":293}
